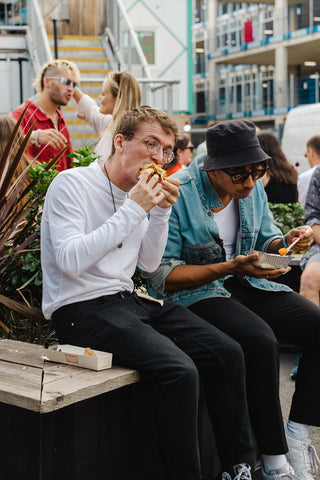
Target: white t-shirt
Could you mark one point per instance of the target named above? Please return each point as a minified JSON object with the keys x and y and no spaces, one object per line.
{"x":304,"y":179}
{"x":80,"y":234}
{"x":228,"y":224}
{"x":89,"y":111}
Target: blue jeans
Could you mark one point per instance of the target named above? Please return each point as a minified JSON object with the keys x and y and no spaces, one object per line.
{"x":170,"y":347}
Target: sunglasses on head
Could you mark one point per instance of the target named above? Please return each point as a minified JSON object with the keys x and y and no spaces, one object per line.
{"x":239,"y":175}
{"x":117,"y":78}
{"x":65,"y":81}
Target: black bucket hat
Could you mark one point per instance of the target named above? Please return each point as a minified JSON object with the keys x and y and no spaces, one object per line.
{"x":232,"y":144}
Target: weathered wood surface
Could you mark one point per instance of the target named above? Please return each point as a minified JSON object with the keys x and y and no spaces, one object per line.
{"x":110,"y":435}
{"x":20,"y":385}
{"x":28,"y":381}
{"x":21,"y":353}
{"x":74,"y":384}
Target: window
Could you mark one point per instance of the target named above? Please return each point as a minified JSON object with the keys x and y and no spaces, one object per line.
{"x":200,"y":11}
{"x":200,"y":58}
{"x":146,"y":40}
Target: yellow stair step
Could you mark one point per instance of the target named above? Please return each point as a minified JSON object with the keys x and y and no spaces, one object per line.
{"x":79,"y":49}
{"x":95,"y":70}
{"x":76,"y":122}
{"x":76,"y":37}
{"x":92,"y":84}
{"x":83,"y":135}
{"x":97,"y":60}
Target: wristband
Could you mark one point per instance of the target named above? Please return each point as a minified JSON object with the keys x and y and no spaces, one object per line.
{"x":36,"y":139}
{"x":284,"y":241}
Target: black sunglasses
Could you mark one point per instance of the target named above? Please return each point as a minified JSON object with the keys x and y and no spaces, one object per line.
{"x":191,"y":148}
{"x":240,"y":177}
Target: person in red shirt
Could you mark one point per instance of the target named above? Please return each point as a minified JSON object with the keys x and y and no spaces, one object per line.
{"x":183,"y":151}
{"x":56,"y":84}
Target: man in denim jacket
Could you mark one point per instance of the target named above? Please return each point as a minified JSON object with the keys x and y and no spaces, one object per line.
{"x":221,"y":214}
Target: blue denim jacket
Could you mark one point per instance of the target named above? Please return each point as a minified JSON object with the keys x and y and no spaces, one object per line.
{"x":194,"y":237}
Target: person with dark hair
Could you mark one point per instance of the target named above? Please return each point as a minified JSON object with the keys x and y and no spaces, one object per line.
{"x":55,"y":84}
{"x":99,"y":223}
{"x":280,"y":180}
{"x":183,"y":151}
{"x":218,"y":226}
{"x":313,"y":155}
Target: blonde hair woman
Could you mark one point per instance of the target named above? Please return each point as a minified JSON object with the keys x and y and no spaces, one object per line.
{"x":119,"y":92}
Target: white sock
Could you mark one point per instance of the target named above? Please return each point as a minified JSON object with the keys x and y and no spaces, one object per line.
{"x":273,"y":462}
{"x":299,"y":431}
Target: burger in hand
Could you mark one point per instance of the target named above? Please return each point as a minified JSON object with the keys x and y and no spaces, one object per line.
{"x":156,"y":170}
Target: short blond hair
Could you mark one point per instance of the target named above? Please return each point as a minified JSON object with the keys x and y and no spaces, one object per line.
{"x":130,"y":121}
{"x":50,"y":69}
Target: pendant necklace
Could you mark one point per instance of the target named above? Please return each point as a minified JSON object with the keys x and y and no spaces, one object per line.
{"x":110,"y":186}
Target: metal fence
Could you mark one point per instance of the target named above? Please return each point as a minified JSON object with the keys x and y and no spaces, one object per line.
{"x":240,"y":102}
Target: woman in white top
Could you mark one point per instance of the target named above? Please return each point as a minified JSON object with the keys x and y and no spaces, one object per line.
{"x":119,"y":92}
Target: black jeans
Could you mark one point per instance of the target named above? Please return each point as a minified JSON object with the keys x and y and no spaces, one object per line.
{"x":170,"y":346}
{"x":258,"y":320}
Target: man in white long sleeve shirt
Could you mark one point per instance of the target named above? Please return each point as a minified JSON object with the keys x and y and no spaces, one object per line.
{"x":95,"y":232}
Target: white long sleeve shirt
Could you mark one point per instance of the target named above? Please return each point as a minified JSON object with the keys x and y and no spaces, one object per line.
{"x":80,"y":234}
{"x":89,"y":111}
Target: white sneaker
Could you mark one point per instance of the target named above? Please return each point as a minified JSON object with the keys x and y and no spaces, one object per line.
{"x":303,"y":457}
{"x":284,"y":473}
{"x":242,"y":471}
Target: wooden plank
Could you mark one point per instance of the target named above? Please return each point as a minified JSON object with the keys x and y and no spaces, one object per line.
{"x":16,"y":344}
{"x":27,"y":381}
{"x":20,"y":385}
{"x":79,"y":384}
{"x":21,"y":353}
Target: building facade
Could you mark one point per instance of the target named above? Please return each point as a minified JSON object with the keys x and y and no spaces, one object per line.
{"x":164,"y":32}
{"x":254,"y":60}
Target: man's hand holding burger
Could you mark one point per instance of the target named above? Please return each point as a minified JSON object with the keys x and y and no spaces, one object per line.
{"x":170,"y":189}
{"x":154,"y":189}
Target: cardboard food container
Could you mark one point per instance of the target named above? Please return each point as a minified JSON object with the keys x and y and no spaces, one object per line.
{"x":270,"y":260}
{"x":73,"y":355}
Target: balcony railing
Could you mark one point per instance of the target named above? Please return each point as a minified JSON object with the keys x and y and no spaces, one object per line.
{"x":262,"y":102}
{"x":255,"y":27}
{"x":13,"y":13}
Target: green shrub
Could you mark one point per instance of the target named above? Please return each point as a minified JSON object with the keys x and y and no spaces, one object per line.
{"x":287,"y":215}
{"x":20,"y":267}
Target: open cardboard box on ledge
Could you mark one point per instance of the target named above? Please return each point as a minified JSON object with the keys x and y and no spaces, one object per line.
{"x":73,"y":355}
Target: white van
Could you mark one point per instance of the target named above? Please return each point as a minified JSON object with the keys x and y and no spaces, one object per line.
{"x":301,"y":124}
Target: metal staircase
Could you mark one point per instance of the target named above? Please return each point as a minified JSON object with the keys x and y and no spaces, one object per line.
{"x":88,"y":53}
{"x":26,"y":47}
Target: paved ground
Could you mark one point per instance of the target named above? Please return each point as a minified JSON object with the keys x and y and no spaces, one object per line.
{"x":286,"y":391}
